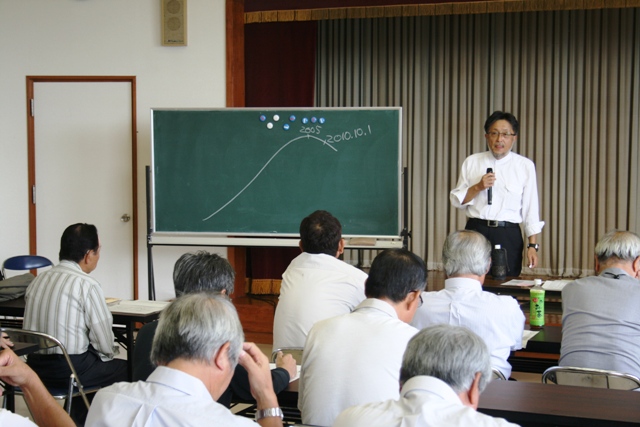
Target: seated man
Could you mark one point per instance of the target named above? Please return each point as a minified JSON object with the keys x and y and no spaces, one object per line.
{"x":44,"y":409}
{"x":196,"y":272}
{"x":444,"y":370}
{"x":600,"y":316}
{"x":497,"y":319}
{"x":67,"y":303}
{"x":196,"y":347}
{"x":316,"y":285}
{"x":355,"y":358}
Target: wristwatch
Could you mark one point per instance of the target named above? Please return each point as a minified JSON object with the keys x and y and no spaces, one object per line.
{"x":534,"y":246}
{"x":269,"y":412}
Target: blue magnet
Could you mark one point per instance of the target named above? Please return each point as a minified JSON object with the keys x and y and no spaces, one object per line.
{"x":263,"y":118}
{"x":305,"y":120}
{"x":313,"y":120}
{"x":286,"y":126}
{"x":322,"y":120}
{"x":292,"y":118}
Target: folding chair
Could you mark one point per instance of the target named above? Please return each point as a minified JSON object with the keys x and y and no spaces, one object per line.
{"x":295,"y":352}
{"x":45,"y":341}
{"x":587,"y":377}
{"x":25,"y":262}
{"x":497,"y":375}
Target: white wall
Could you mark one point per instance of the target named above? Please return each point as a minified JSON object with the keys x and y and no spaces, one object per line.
{"x":102,"y":37}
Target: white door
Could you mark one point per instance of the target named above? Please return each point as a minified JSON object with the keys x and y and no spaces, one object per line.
{"x":83,"y":172}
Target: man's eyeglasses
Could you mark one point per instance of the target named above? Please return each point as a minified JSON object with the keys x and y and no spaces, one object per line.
{"x":420,"y":300}
{"x":496,"y":135}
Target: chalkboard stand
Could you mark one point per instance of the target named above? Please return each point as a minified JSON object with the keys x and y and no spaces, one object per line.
{"x":406,"y":234}
{"x":152,"y":288}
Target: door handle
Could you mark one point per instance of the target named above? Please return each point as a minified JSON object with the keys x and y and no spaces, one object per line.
{"x":125,"y":218}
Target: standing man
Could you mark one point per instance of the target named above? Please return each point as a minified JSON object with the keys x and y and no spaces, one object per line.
{"x":316,"y":285}
{"x":355,"y":358}
{"x":498,"y":190}
{"x":497,"y":319}
{"x":69,"y":304}
{"x":600,"y":316}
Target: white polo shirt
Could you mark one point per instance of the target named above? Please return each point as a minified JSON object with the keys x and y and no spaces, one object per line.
{"x":352,"y":359}
{"x":314,"y":287}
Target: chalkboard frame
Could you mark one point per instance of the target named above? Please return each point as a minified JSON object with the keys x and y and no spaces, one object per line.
{"x":220,"y":238}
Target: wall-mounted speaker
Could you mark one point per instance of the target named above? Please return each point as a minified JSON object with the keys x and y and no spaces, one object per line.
{"x":174,"y":22}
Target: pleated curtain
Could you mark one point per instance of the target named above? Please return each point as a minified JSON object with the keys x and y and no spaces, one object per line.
{"x":572,"y":78}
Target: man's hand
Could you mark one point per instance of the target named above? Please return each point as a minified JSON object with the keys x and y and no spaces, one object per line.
{"x":45,"y":410}
{"x":14,"y":371}
{"x":287,"y":362}
{"x":487,"y":181}
{"x":532,"y":258}
{"x":5,"y":342}
{"x":257,"y":366}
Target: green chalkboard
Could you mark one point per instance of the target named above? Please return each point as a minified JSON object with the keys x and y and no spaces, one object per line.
{"x":258,"y":172}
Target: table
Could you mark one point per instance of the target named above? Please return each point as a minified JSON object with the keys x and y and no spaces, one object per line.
{"x":124,"y":316}
{"x":541,"y":352}
{"x":537,"y":404}
{"x":124,"y":335}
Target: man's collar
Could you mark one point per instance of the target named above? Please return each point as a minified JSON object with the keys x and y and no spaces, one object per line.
{"x":430,"y":385}
{"x":454,"y":283}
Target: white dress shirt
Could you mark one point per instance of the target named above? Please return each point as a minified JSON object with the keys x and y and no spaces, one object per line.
{"x":497,"y":319}
{"x":314,"y":287}
{"x":168,"y":398}
{"x":424,"y":402}
{"x":69,"y":304}
{"x":352,"y":359}
{"x":515,"y":191}
{"x":9,"y":419}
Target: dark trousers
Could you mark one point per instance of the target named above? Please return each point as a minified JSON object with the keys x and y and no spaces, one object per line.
{"x":509,"y":238}
{"x":54,"y":370}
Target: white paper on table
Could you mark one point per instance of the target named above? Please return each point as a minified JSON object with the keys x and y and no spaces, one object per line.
{"x":555,"y":285}
{"x":138,"y":307}
{"x":518,"y":282}
{"x":526,"y":336}
{"x":273,"y":366}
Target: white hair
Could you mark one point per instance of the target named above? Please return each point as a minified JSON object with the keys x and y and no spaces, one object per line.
{"x":194,"y":327}
{"x":623,"y":245}
{"x":466,"y":252}
{"x":453,"y":354}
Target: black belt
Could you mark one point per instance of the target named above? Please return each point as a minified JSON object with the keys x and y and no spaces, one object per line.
{"x":492,"y":223}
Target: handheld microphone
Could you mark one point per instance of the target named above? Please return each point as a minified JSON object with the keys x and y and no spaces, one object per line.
{"x":489,"y":190}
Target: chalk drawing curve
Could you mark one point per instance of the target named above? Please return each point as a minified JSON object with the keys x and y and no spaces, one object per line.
{"x":328,"y":144}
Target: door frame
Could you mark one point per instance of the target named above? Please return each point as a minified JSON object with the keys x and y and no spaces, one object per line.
{"x":31,"y":155}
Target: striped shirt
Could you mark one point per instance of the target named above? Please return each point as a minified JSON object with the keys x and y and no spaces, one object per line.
{"x":67,"y":303}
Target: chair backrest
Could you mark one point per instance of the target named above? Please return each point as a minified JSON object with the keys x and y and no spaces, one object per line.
{"x":296,"y":352}
{"x":25,"y":262}
{"x":497,"y":375}
{"x":586,"y":377}
{"x":46,"y":341}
